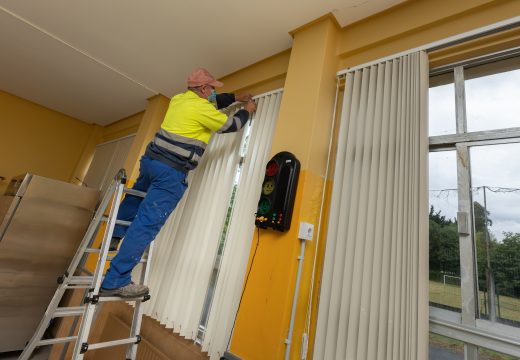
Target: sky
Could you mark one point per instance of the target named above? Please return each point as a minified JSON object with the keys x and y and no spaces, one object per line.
{"x":492,"y":102}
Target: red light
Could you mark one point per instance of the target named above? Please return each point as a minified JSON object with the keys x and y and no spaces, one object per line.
{"x":272,"y":168}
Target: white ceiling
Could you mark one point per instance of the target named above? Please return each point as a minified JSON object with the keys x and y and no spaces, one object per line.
{"x":99,"y":60}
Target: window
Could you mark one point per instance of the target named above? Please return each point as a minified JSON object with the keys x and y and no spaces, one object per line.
{"x":488,"y":101}
{"x":495,"y":178}
{"x":475,"y":210}
{"x":444,"y":238}
{"x":441,"y":104}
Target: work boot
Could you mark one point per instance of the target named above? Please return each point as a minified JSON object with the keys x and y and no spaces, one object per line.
{"x":128,"y":291}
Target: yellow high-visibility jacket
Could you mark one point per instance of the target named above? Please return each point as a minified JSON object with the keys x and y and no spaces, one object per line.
{"x":187,"y":128}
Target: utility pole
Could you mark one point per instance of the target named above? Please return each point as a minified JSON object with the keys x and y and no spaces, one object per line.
{"x":490,"y":280}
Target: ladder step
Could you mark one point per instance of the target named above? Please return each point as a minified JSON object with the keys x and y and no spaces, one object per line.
{"x":69,"y":311}
{"x":84,"y":286}
{"x":81,"y":280}
{"x":122,"y":222}
{"x":134,"y":192}
{"x":118,"y":298}
{"x":118,"y":222}
{"x":95,"y":251}
{"x":132,"y":340}
{"x":57,"y":341}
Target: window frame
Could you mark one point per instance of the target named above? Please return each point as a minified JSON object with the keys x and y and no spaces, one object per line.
{"x":466,"y":326}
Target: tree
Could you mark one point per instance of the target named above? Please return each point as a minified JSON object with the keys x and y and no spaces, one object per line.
{"x":444,"y":245}
{"x":485,"y":242}
{"x":481,"y":217}
{"x":506,"y":265}
{"x":504,"y":256}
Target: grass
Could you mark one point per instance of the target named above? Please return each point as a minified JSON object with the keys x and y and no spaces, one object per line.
{"x":446,"y":294}
{"x":449,"y":295}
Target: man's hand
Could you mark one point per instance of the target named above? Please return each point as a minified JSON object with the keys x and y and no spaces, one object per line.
{"x":250,"y":107}
{"x":244,"y":97}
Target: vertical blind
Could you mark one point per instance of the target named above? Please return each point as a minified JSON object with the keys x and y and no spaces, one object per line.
{"x":241,"y":229}
{"x":186,"y":247}
{"x":374,"y":292}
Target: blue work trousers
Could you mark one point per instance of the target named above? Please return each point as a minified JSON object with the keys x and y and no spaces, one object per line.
{"x":164,"y":187}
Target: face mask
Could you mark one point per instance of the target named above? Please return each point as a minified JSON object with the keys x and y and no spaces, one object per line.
{"x":213,"y":96}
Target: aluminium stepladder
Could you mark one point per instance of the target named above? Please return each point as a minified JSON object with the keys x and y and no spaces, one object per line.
{"x":72,"y":279}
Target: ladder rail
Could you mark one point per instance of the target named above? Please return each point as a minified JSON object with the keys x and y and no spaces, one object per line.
{"x":88,"y":314}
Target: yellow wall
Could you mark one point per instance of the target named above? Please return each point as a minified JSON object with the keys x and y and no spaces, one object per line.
{"x":263,"y":76}
{"x":38,"y":140}
{"x":258,"y":331}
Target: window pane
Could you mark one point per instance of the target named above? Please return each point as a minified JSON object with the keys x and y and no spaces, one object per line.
{"x":442,"y":110}
{"x":495,"y":174}
{"x":444,"y":238}
{"x":492,"y":101}
{"x":444,"y":348}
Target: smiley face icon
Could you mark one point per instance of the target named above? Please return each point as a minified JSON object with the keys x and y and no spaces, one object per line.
{"x":268,"y":187}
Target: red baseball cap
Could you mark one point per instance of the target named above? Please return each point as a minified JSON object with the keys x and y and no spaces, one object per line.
{"x":201,"y":77}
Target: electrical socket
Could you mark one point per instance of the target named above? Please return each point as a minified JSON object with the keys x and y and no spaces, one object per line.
{"x":306,"y":231}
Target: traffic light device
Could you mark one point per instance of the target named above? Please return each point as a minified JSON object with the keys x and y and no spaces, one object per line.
{"x":278,"y":192}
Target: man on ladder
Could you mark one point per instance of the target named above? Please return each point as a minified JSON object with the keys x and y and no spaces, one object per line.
{"x":175,"y":150}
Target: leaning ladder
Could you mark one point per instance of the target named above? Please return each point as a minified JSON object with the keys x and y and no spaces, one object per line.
{"x":73,"y":280}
